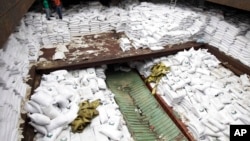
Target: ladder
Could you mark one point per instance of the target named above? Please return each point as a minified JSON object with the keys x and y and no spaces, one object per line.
{"x":173,"y":3}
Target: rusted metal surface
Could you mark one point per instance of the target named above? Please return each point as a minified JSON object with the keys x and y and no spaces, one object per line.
{"x":11,"y":12}
{"x":240,"y":4}
{"x":31,"y":76}
{"x":106,"y":51}
{"x":229,"y":62}
{"x":34,"y":82}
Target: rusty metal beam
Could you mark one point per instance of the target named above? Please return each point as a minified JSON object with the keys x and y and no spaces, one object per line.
{"x":227,"y":61}
{"x":11,"y":12}
{"x":111,"y":57}
{"x":33,"y":82}
{"x":240,"y":4}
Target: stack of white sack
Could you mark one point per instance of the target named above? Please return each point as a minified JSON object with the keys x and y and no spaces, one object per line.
{"x":240,"y":49}
{"x":93,"y":19}
{"x":48,"y":32}
{"x":56,"y":32}
{"x":153,"y":26}
{"x":60,"y":51}
{"x":75,"y":28}
{"x":207,"y":96}
{"x":210,"y":29}
{"x":24,"y":35}
{"x":229,"y":35}
{"x":219,"y":39}
{"x":146,"y":24}
{"x":10,"y":119}
{"x":125,"y":44}
{"x":122,"y":25}
{"x":14,"y":67}
{"x":54,"y":105}
{"x":63,"y":31}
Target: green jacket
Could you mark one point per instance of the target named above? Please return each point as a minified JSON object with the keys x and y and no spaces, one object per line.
{"x":45,"y":3}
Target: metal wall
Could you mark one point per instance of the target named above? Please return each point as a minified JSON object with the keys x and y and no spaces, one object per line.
{"x":240,"y":4}
{"x":11,"y":12}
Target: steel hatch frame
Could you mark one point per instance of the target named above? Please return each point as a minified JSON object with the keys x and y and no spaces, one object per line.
{"x":233,"y":64}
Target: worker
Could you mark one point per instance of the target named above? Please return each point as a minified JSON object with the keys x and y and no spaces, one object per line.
{"x":47,"y":9}
{"x":58,"y":5}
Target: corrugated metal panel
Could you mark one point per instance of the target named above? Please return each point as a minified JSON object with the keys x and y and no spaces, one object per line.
{"x":152,"y":123}
{"x":11,"y":12}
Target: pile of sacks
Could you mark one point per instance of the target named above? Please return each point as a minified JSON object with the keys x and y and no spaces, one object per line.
{"x":125,"y":44}
{"x":229,"y":35}
{"x":10,"y":104}
{"x":240,"y":49}
{"x":94,"y":18}
{"x":147,"y":25}
{"x":60,"y":51}
{"x":63,"y":97}
{"x":14,"y":67}
{"x":207,"y":96}
{"x":48,"y":32}
{"x":153,"y":26}
{"x":25,"y":38}
{"x":159,"y":25}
